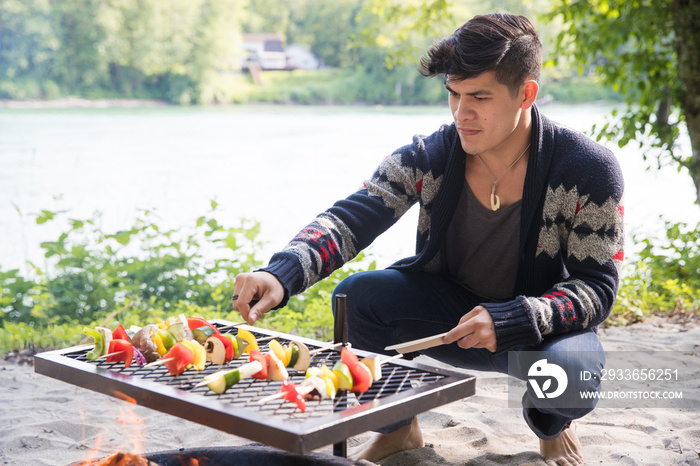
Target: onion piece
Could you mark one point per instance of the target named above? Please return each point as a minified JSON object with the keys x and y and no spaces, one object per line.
{"x":139,"y":357}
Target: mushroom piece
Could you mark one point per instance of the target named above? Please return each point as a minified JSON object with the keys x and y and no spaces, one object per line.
{"x":143,"y":341}
{"x":304,"y":359}
{"x":216,"y":351}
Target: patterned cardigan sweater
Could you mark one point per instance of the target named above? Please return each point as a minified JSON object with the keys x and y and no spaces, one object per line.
{"x":571,"y":233}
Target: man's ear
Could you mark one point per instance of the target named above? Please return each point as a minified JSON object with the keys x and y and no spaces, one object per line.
{"x":530,"y":89}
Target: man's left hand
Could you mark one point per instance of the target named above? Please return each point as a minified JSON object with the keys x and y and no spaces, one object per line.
{"x":475,"y":330}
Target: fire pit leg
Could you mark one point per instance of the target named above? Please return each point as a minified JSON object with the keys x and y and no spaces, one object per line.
{"x":340,"y":335}
{"x":340,"y":449}
{"x":340,"y":329}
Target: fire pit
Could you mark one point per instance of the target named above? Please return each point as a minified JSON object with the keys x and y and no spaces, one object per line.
{"x":247,"y":455}
{"x":405,"y":389}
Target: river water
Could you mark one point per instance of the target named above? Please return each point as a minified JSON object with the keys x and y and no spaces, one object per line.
{"x":280,"y":165}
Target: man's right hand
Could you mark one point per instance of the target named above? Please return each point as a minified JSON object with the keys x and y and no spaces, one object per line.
{"x":262,"y":287}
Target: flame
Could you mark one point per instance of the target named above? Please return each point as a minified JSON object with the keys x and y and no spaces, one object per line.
{"x":188,"y":461}
{"x":131,"y":426}
{"x":124,"y":397}
{"x":119,"y":459}
{"x":97,"y":443}
{"x":125,"y":421}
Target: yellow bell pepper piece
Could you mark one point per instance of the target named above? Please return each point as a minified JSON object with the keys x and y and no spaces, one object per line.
{"x":200,"y":355}
{"x":328,"y":374}
{"x":283,"y":355}
{"x":245,"y":335}
{"x":160,"y":347}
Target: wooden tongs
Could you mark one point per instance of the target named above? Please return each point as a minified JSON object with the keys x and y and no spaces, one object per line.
{"x":417,"y":345}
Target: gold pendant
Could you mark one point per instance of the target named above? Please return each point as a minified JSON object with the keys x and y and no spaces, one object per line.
{"x":495,"y":200}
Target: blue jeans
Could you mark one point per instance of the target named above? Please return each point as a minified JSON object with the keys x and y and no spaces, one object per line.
{"x":386,"y":307}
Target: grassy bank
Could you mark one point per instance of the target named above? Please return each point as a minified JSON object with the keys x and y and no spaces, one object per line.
{"x":340,"y":87}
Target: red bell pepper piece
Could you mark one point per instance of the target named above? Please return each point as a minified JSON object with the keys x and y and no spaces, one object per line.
{"x":290,"y":393}
{"x":348,"y":357}
{"x":256,"y":355}
{"x":361,"y":376}
{"x":196,"y":322}
{"x":227,"y":345}
{"x":178,"y":358}
{"x":125,"y":350}
{"x":119,"y":333}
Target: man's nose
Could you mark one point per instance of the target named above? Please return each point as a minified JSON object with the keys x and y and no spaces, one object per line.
{"x":464,"y":111}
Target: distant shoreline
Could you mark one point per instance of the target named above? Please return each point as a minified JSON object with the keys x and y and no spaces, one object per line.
{"x":79,"y":102}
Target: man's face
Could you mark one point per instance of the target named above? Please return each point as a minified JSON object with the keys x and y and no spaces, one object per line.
{"x":485,"y":112}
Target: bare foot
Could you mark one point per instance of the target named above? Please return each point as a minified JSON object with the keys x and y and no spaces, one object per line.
{"x":565,"y":450}
{"x":383,"y":445}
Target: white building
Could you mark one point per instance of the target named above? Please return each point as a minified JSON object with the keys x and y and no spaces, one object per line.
{"x":266,"y":50}
{"x":269,"y":53}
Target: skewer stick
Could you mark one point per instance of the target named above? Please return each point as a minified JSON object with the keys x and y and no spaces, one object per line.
{"x":208,"y":378}
{"x":274,"y":396}
{"x":392,"y":358}
{"x":202,"y":383}
{"x":158,"y":362}
{"x":105,"y":356}
{"x":227,"y":327}
{"x":189,"y":379}
{"x":319,"y":350}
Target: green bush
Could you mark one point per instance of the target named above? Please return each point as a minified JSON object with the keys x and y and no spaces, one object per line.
{"x":142,"y":275}
{"x":665,"y":278}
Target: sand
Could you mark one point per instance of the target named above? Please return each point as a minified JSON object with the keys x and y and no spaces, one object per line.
{"x":48,"y":422}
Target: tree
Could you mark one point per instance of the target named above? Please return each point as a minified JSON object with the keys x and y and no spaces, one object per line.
{"x":28,"y":46}
{"x":402,"y":29}
{"x":79,"y":63}
{"x":326,"y":28}
{"x":264,"y":16}
{"x":650,"y":51}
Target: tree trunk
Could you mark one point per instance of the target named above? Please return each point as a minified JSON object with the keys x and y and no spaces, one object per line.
{"x":686,"y":21}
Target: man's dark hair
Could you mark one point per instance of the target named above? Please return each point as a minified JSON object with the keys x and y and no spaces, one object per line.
{"x":503,"y":43}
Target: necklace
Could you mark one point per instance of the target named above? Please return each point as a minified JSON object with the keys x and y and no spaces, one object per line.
{"x":495,"y":200}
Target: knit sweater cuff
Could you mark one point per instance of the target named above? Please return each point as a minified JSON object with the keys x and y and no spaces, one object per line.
{"x":288,"y":270}
{"x":514,"y":324}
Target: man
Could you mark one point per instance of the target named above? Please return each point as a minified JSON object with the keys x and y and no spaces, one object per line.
{"x":520,"y":235}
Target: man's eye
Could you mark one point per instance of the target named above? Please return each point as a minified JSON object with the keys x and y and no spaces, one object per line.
{"x":480,"y":99}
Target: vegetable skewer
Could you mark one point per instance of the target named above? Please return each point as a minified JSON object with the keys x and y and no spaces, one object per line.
{"x":317,"y":380}
{"x":175,"y":343}
{"x":221,"y":381}
{"x":218,"y":349}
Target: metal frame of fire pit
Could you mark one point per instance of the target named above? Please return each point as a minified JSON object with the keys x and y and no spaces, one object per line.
{"x":405,"y":390}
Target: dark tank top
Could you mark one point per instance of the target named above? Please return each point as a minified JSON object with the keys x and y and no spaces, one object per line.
{"x":482,"y":246}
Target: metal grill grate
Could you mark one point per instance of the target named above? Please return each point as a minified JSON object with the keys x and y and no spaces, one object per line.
{"x":405,"y":389}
